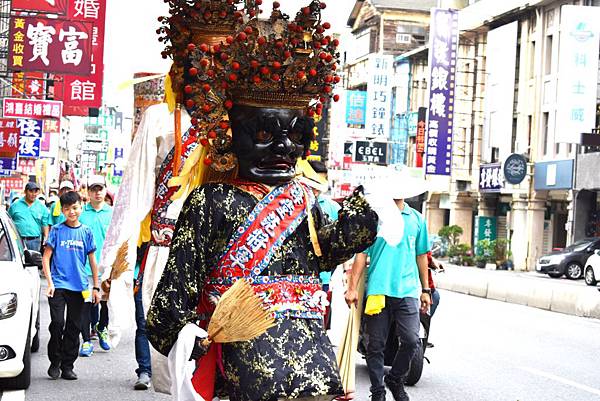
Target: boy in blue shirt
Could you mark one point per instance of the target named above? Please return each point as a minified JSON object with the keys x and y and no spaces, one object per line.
{"x":68,"y":247}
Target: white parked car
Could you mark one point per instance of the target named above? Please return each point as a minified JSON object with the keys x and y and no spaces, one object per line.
{"x":591,"y":273}
{"x":19,"y":307}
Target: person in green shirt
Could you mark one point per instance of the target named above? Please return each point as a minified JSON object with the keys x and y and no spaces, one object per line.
{"x":31,"y":217}
{"x":56,"y":216}
{"x":397,"y":282}
{"x":96,"y":215}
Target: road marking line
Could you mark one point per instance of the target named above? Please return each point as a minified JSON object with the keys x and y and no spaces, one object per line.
{"x":562,"y":380}
{"x":12,"y":395}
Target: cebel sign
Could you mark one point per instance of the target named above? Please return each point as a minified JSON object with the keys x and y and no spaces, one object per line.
{"x":371,"y":152}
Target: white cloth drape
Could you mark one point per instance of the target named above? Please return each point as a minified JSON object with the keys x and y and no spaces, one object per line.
{"x":181,"y":369}
{"x":153,"y":142}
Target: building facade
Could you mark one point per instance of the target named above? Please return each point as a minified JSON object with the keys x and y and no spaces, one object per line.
{"x":525,"y":143}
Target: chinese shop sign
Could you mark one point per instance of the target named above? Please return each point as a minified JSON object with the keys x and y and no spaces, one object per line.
{"x":379,"y":96}
{"x":486,"y":228}
{"x":356,"y":107}
{"x":577,"y":72}
{"x":371,"y":152}
{"x":9,"y":137}
{"x":52,"y":126}
{"x":443,"y":46}
{"x":50,"y":45}
{"x":13,"y":184}
{"x":491,"y":178}
{"x":30,"y":141}
{"x":28,"y":108}
{"x":82,"y":92}
{"x":58,"y":7}
{"x":8,"y":163}
{"x":30,"y":85}
{"x":420,"y":136}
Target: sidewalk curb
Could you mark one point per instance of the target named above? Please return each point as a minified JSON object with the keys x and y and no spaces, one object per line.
{"x":556,"y":297}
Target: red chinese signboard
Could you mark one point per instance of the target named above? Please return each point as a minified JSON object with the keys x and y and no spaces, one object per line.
{"x":42,"y":6}
{"x":30,"y":85}
{"x":13,"y":183}
{"x":9,"y":137}
{"x":27,"y":166}
{"x":82,"y":92}
{"x":29,"y":108}
{"x":50,"y":45}
{"x":51,"y":126}
{"x":420,"y":137}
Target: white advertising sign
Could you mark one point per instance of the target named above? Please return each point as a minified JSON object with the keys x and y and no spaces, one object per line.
{"x":577,"y":72}
{"x":379,"y":96}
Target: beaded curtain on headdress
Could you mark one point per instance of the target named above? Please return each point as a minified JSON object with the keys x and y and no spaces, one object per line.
{"x":266,"y":63}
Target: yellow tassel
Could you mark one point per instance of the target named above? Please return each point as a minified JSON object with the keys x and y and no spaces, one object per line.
{"x":190,"y":176}
{"x":170,"y":97}
{"x":145,"y":230}
{"x":304,"y":168}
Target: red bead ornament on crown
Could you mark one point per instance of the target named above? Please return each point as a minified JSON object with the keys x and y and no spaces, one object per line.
{"x":276,"y":62}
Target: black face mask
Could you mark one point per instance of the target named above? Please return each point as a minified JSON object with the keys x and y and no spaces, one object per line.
{"x":268,"y":142}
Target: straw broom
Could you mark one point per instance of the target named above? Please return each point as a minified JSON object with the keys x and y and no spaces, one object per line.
{"x":240,"y":315}
{"x":119,"y":266}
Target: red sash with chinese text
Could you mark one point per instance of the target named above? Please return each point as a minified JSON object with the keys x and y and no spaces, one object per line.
{"x":270,"y":223}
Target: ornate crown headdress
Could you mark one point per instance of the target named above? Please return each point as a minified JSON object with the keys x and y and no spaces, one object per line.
{"x":266,"y":63}
{"x":192,"y":22}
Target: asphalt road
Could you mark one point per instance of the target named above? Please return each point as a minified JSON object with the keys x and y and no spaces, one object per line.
{"x":484,"y":350}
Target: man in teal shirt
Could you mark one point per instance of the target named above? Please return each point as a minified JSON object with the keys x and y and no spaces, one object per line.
{"x":397,"y":285}
{"x":96,"y":215}
{"x":31,"y":217}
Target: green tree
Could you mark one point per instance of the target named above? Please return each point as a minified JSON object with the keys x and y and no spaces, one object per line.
{"x":451,"y":234}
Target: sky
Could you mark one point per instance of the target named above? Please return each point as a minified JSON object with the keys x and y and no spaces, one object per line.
{"x":131,"y":43}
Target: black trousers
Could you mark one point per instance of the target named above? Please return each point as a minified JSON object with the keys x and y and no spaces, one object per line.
{"x":63,"y":346}
{"x":403,"y":313}
{"x":89,"y":318}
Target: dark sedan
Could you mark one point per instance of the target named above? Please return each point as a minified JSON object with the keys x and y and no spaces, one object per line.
{"x":569,"y":261}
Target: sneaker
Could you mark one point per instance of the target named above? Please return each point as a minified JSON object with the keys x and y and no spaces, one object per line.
{"x":378,"y":397}
{"x":53,"y":372}
{"x":143,"y":382}
{"x":68,"y":374}
{"x":103,"y":339}
{"x":93,"y":334}
{"x":87,"y":349}
{"x":397,"y":388}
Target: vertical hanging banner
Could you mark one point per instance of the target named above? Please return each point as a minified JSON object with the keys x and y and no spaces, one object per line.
{"x":79,"y":93}
{"x":577,"y":72}
{"x":9,"y":137}
{"x":420,"y":136}
{"x":30,"y":140}
{"x":443,"y":47}
{"x":379,"y":96}
{"x":50,"y":45}
{"x":58,"y":7}
{"x":356,"y":107}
